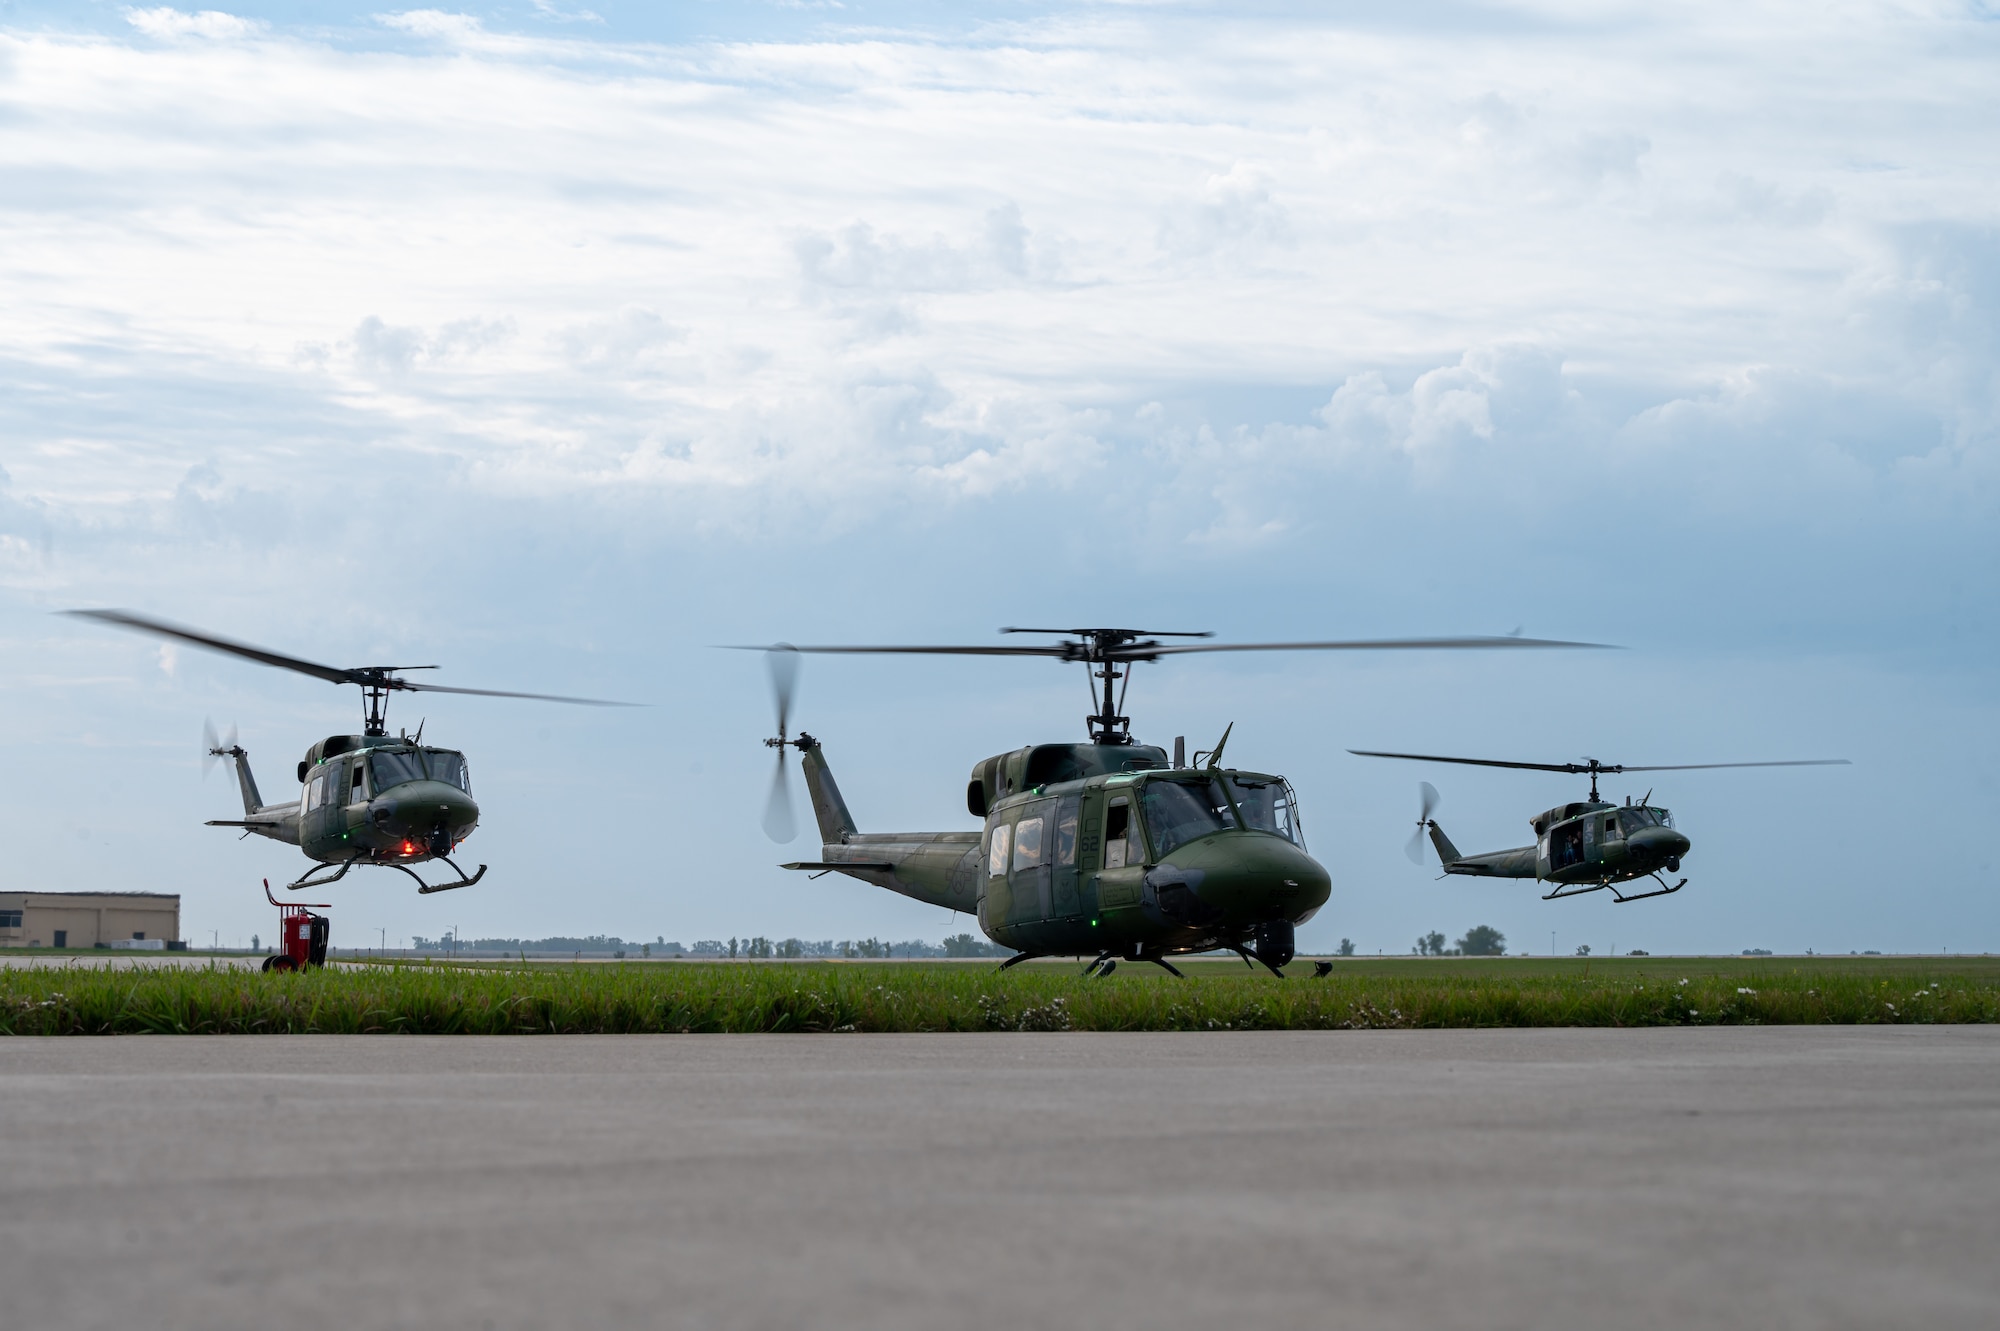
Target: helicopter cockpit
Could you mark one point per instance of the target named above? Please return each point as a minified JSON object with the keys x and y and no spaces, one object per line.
{"x":395,"y":767}
{"x":1178,"y":809}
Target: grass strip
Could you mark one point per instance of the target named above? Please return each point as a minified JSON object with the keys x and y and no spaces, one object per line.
{"x":688,"y":997}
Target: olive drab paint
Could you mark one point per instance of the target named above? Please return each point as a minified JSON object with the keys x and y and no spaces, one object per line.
{"x":1587,"y":845}
{"x":366,"y":800}
{"x":1107,"y":848}
{"x":1065,"y":864}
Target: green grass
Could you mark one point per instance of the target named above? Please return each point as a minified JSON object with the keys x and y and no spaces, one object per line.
{"x":501,"y":998}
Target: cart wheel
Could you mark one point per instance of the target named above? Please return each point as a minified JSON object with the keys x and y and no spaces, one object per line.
{"x":281,"y":962}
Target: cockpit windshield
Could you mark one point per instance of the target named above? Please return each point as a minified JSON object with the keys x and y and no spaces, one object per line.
{"x":393,"y":769}
{"x":1268,"y":805}
{"x":1176,"y":812}
{"x":1644,"y":815}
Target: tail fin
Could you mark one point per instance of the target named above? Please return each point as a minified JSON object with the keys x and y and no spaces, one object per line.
{"x":1446,"y":851}
{"x":252,"y":801}
{"x":836,"y":824}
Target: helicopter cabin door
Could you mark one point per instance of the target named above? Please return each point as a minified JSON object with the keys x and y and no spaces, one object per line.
{"x":1566,"y":845}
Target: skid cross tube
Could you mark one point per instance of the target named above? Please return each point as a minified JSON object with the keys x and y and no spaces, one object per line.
{"x":307,"y":880}
{"x":1574,"y":890}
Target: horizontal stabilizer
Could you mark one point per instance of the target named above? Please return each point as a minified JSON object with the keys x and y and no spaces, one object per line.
{"x":244,"y":822}
{"x":878,"y":866}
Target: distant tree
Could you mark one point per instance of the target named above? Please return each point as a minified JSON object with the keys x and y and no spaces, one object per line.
{"x":1346,"y":948}
{"x":1430,"y":945}
{"x":1583,"y":949}
{"x":708,"y":947}
{"x":645,"y":949}
{"x":255,"y":945}
{"x":732,"y":949}
{"x":1638,"y":952}
{"x":1483,"y":940}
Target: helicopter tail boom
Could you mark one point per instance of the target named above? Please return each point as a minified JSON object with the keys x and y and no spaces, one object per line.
{"x":1491,"y":864}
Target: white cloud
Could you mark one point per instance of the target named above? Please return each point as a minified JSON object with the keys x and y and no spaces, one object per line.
{"x":172,"y":23}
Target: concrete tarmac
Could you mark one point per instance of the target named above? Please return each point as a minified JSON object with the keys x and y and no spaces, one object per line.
{"x":1761,"y":1177}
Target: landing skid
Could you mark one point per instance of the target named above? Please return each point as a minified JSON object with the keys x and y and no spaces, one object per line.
{"x":422,"y":887}
{"x":1663,"y":891}
{"x":1252,"y":960}
{"x":1579,"y":889}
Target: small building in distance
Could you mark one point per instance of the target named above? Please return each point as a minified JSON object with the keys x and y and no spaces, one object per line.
{"x":88,"y":919}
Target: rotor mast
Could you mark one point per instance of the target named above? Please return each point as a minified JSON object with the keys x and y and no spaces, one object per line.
{"x":1102,"y":652}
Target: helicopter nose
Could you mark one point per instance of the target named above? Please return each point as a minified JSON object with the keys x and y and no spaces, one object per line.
{"x":1254,"y":878}
{"x":1663,"y":842}
{"x":419,"y":810}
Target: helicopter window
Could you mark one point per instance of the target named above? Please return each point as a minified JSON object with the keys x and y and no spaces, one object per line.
{"x":1267,"y":806}
{"x":1180,"y":811}
{"x":1610,"y":829}
{"x":1117,"y":827}
{"x":996,"y":851}
{"x":393,"y":769}
{"x":1028,"y":843}
{"x":1066,"y":812}
{"x":446,"y":766}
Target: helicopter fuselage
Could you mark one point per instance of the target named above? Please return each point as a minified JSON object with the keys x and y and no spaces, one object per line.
{"x":368,"y":799}
{"x":1089,"y":850}
{"x":1583,"y":842}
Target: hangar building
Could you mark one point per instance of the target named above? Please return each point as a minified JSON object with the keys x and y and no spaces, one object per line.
{"x":88,"y":919}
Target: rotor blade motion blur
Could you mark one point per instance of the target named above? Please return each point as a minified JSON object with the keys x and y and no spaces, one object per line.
{"x":1428,"y":797}
{"x":782,"y":661}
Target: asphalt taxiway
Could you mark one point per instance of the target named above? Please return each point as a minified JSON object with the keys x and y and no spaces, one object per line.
{"x":1796,"y":1177}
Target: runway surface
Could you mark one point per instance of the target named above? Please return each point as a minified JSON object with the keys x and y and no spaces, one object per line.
{"x":1793,"y":1177}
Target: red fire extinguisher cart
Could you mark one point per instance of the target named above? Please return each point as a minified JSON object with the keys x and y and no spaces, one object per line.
{"x":301,"y":934}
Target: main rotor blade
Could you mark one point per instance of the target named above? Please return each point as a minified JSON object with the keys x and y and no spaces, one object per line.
{"x":1475,"y":762}
{"x":161,"y":628}
{"x":1141,"y":652}
{"x":408,"y":687}
{"x":1613,"y":769}
{"x":779,"y":825}
{"x":1698,"y":767}
{"x":1152,"y":651}
{"x":1049,"y":650}
{"x":1136,"y":633}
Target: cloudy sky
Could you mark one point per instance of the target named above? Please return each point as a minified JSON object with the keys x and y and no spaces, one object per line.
{"x":556,"y":343}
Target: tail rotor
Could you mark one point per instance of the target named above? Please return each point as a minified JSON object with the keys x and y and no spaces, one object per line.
{"x":783,"y":663}
{"x":214,"y":749}
{"x":1428,"y":795}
